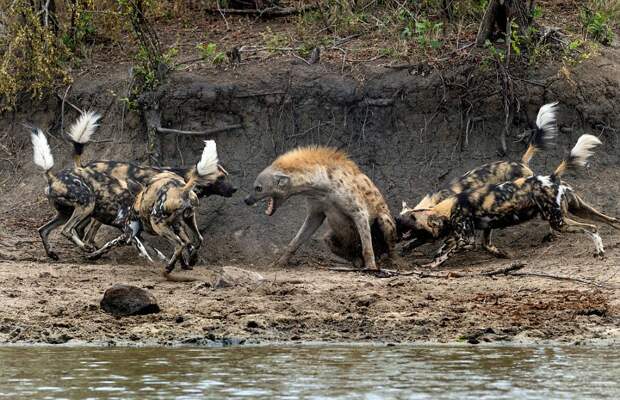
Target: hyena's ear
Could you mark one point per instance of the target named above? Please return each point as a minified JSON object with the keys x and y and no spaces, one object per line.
{"x":281,"y":180}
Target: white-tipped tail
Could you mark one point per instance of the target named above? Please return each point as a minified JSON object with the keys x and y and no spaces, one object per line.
{"x":84,"y":127}
{"x":583,"y":150}
{"x":42,"y":152}
{"x":546,"y":120}
{"x":208,"y":162}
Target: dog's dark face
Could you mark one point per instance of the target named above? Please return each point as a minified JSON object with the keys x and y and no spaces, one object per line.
{"x":221,"y":187}
{"x":423,"y":225}
{"x":408,"y":228}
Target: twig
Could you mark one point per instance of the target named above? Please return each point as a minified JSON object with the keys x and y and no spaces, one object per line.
{"x":62,"y":110}
{"x":301,"y":58}
{"x":78,"y":109}
{"x":563,"y":278}
{"x":198,"y":133}
{"x":265,"y":12}
{"x":244,"y":96}
{"x":219,"y":9}
{"x":515,"y":266}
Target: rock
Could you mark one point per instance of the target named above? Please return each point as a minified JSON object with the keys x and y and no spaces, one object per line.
{"x":61,"y":338}
{"x":232,"y":276}
{"x":122,"y":300}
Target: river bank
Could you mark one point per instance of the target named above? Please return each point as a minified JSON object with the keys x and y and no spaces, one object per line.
{"x":54,"y":303}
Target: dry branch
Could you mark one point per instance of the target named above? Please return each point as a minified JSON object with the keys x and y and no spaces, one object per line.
{"x":265,"y":12}
{"x":198,"y":133}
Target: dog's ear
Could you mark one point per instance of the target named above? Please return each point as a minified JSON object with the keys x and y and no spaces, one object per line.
{"x":435,"y":222}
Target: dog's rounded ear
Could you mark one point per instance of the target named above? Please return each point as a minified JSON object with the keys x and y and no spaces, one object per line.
{"x":404,"y":206}
{"x":434,"y":221}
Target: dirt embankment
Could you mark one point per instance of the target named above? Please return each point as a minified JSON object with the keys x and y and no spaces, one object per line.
{"x":408,"y":129}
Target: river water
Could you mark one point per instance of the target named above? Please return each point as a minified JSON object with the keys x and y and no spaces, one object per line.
{"x":311,"y":372}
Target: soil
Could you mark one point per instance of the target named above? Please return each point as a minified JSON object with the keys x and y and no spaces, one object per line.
{"x":407,"y":128}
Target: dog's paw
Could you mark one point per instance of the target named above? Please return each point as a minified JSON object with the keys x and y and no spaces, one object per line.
{"x":599,"y":254}
{"x":89,"y":248}
{"x":53,"y":256}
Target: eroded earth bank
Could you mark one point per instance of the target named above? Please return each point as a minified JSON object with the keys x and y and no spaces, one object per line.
{"x":410,"y":129}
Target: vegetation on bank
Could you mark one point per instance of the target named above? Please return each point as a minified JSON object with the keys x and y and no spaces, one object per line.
{"x":45,"y":43}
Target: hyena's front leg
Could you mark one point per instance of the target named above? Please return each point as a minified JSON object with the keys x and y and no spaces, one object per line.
{"x":313,"y":221}
{"x":363,"y":229}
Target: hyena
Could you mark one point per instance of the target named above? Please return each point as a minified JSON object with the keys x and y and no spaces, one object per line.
{"x":360,"y":224}
{"x":507,"y":204}
{"x":165,"y":207}
{"x":79,"y":194}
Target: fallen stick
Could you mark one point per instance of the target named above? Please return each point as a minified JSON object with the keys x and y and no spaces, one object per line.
{"x":197,"y":133}
{"x":515,"y":266}
{"x":265,"y":12}
{"x":564,"y":278}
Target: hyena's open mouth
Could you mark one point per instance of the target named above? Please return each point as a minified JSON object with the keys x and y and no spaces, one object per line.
{"x":273,"y":203}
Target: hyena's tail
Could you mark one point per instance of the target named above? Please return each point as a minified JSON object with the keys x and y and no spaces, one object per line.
{"x":80,"y":133}
{"x":208,"y":164}
{"x":579,"y":155}
{"x":42,"y":152}
{"x":546,"y":131}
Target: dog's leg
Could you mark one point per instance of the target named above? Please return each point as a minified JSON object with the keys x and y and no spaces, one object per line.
{"x":446,"y":250}
{"x":313,"y":221}
{"x":463,"y":238}
{"x":192,"y":226}
{"x":154,"y":249}
{"x":80,"y":213}
{"x":118,"y":241}
{"x":138,"y":243}
{"x":91,"y":232}
{"x":46,"y":229}
{"x":165,"y":231}
{"x":578,"y":207}
{"x":488,"y":246}
{"x":572,"y":226}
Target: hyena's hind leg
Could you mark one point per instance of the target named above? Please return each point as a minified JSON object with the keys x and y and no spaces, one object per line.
{"x":61,"y":218}
{"x":346,"y":245}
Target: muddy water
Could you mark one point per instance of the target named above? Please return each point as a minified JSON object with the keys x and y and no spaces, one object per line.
{"x":285,"y":372}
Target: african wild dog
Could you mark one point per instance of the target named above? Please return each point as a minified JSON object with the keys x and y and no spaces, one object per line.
{"x":495,"y":172}
{"x":507,"y":204}
{"x":411,"y":222}
{"x":141,"y":175}
{"x":336,"y":190}
{"x":165,"y":207}
{"x":79,"y":193}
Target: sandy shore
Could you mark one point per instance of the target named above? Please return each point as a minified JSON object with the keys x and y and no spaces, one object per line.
{"x":43,"y":302}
